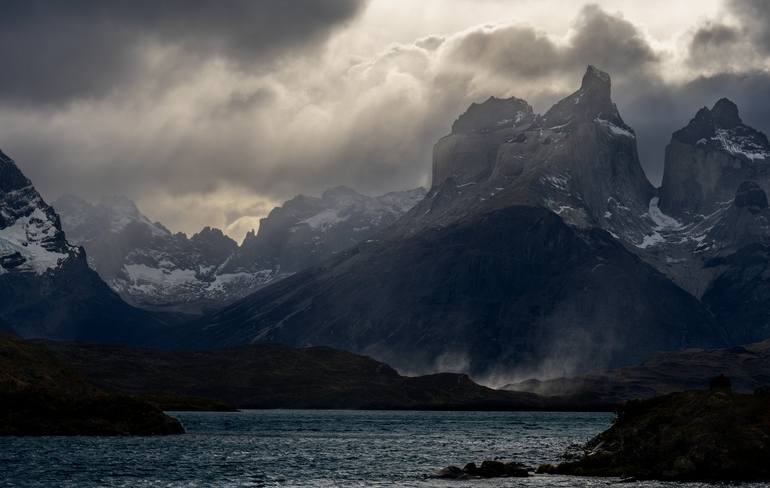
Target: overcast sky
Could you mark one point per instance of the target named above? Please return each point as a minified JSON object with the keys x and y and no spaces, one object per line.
{"x":212,"y":112}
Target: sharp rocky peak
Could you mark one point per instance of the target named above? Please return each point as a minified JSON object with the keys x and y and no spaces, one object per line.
{"x":592,"y":101}
{"x":213,"y":234}
{"x":596,"y":79}
{"x":725,"y":114}
{"x":713,"y":125}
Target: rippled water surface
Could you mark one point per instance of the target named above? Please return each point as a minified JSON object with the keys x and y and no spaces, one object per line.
{"x":307,"y":449}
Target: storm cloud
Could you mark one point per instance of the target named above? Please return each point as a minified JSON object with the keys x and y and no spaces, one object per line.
{"x":55,"y":51}
{"x":210,"y":113}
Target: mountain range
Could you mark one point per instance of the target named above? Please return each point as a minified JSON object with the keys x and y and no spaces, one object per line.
{"x":154,"y":268}
{"x":541,"y":249}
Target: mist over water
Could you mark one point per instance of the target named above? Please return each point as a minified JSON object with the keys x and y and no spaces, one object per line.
{"x":308,"y":449}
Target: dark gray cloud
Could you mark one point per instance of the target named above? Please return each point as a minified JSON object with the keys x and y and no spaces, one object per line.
{"x":609,"y":41}
{"x":715,"y":36}
{"x":508,"y":51}
{"x":209,"y":113}
{"x":754,"y":15}
{"x":54,"y":51}
{"x":724,"y":45}
{"x":520,"y":52}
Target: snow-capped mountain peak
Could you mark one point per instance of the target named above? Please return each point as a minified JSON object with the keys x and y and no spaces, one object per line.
{"x":31,"y":239}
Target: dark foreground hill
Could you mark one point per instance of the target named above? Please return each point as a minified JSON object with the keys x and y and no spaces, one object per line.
{"x":274,"y":376}
{"x":39,"y":395}
{"x":694,"y":435}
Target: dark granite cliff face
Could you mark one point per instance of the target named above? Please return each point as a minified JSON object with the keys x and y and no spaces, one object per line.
{"x":579,"y":160}
{"x":708,"y":160}
{"x":712,"y":224}
{"x":468,"y":155}
{"x":46,"y":287}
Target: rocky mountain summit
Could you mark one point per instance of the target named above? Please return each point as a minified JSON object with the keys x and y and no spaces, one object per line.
{"x":46,"y":286}
{"x":706,"y":228}
{"x":708,"y":159}
{"x":579,"y":160}
{"x":153,"y":268}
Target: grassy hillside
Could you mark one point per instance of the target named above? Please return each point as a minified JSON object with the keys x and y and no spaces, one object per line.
{"x":274,"y":376}
{"x":40,"y":395}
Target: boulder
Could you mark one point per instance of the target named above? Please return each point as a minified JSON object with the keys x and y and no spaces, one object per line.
{"x":488,"y":469}
{"x":450,"y":473}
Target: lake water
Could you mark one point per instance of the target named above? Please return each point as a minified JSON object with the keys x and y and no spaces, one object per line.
{"x":279,"y":448}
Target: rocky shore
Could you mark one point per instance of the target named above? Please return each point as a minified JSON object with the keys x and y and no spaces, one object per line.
{"x":714,"y":435}
{"x":488,"y":469}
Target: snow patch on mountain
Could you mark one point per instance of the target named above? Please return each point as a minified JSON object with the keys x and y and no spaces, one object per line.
{"x":325,"y":219}
{"x":30,"y":237}
{"x":557,"y":181}
{"x":661,"y":220}
{"x":650,"y":240}
{"x":614,"y":128}
{"x":741,"y":145}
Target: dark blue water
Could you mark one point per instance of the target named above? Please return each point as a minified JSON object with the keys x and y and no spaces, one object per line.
{"x":306,"y":449}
